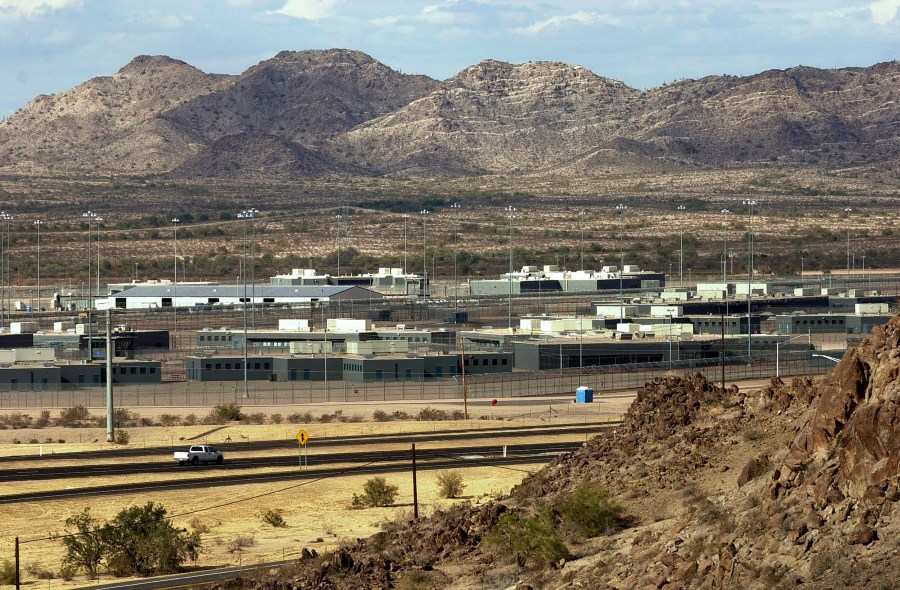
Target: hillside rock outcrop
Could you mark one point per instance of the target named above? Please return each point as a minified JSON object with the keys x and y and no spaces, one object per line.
{"x":156,"y":114}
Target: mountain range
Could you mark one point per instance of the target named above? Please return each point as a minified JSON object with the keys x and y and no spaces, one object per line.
{"x":314,"y":113}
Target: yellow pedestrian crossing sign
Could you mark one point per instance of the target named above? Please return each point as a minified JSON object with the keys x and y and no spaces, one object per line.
{"x":302,"y":437}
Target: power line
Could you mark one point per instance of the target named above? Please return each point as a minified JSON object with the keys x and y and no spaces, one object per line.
{"x":233,"y":502}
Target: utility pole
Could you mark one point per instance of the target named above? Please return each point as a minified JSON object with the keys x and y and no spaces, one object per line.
{"x":415,"y":487}
{"x":110,"y":413}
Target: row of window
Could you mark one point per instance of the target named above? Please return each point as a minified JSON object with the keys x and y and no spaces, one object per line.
{"x":237,"y":366}
{"x":215,"y":337}
{"x":135,"y":370}
{"x":485,"y":362}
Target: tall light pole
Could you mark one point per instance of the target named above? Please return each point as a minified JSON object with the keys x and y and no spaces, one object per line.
{"x":681,"y":247}
{"x":99,"y":220}
{"x":245,"y":214}
{"x":424,"y":213}
{"x":581,"y":216}
{"x":5,"y":301}
{"x":510,"y":210}
{"x":253,"y":213}
{"x":749,"y":203}
{"x":847,"y":211}
{"x":175,"y":222}
{"x":621,"y":209}
{"x":725,"y":213}
{"x":90,"y":216}
{"x":455,"y":207}
{"x":37,"y":224}
{"x":405,"y":220}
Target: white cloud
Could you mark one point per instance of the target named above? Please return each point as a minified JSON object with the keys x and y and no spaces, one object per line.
{"x":172,"y":21}
{"x":307,"y":9}
{"x":884,"y":11}
{"x":385,"y":21}
{"x":581,"y":18}
{"x":30,"y":9}
{"x":447,"y":14}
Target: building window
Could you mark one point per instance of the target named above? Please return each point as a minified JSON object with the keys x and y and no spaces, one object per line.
{"x":504,"y":362}
{"x":408,"y":373}
{"x":227,"y":366}
{"x":218,"y":366}
{"x":134,"y":370}
{"x":143,"y":370}
{"x":153,"y":370}
{"x":494,"y":362}
{"x":379,"y":374}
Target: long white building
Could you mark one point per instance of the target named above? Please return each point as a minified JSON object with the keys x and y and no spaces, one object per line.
{"x":173,"y":295}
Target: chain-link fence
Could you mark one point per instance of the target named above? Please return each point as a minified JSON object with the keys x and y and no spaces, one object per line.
{"x":498,"y":385}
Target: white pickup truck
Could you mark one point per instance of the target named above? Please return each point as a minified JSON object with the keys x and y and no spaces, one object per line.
{"x":200,"y":454}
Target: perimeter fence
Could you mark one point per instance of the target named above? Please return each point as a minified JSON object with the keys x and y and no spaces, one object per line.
{"x":602,"y":379}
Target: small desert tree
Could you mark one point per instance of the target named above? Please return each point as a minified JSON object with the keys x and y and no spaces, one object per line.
{"x":527,"y":539}
{"x":84,"y":543}
{"x":590,"y":510}
{"x":141,"y":540}
{"x":376,"y":492}
{"x":450,"y":484}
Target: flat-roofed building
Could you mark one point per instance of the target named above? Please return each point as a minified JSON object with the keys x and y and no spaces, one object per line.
{"x":179,"y":295}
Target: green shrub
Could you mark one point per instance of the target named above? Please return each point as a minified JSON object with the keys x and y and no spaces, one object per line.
{"x":450,"y":484}
{"x":527,"y":539}
{"x":376,"y":492}
{"x":274,"y":518}
{"x":276,"y":418}
{"x":237,"y":544}
{"x":590,"y":511}
{"x":298,"y":418}
{"x":256,"y":418}
{"x":381,"y":416}
{"x":73,"y":416}
{"x":199,"y":526}
{"x":226,"y":412}
{"x":168,"y":419}
{"x":122,"y":437}
{"x":7,"y":572}
{"x":44,"y":419}
{"x":124,"y":417}
{"x":36,"y":570}
{"x":431,"y":414}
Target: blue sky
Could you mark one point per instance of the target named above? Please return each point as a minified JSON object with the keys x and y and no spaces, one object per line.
{"x":48,"y":46}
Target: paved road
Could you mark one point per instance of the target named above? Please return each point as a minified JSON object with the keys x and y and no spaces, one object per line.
{"x":106,"y":455}
{"x":188,"y":579}
{"x":372,"y":462}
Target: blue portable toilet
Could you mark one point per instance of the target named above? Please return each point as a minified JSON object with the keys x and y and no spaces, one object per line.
{"x":584,"y":395}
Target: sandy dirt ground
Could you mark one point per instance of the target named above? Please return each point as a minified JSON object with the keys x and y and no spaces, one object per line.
{"x":318,"y":512}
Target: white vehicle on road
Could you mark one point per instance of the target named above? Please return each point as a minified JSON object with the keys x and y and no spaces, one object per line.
{"x":200,"y":454}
